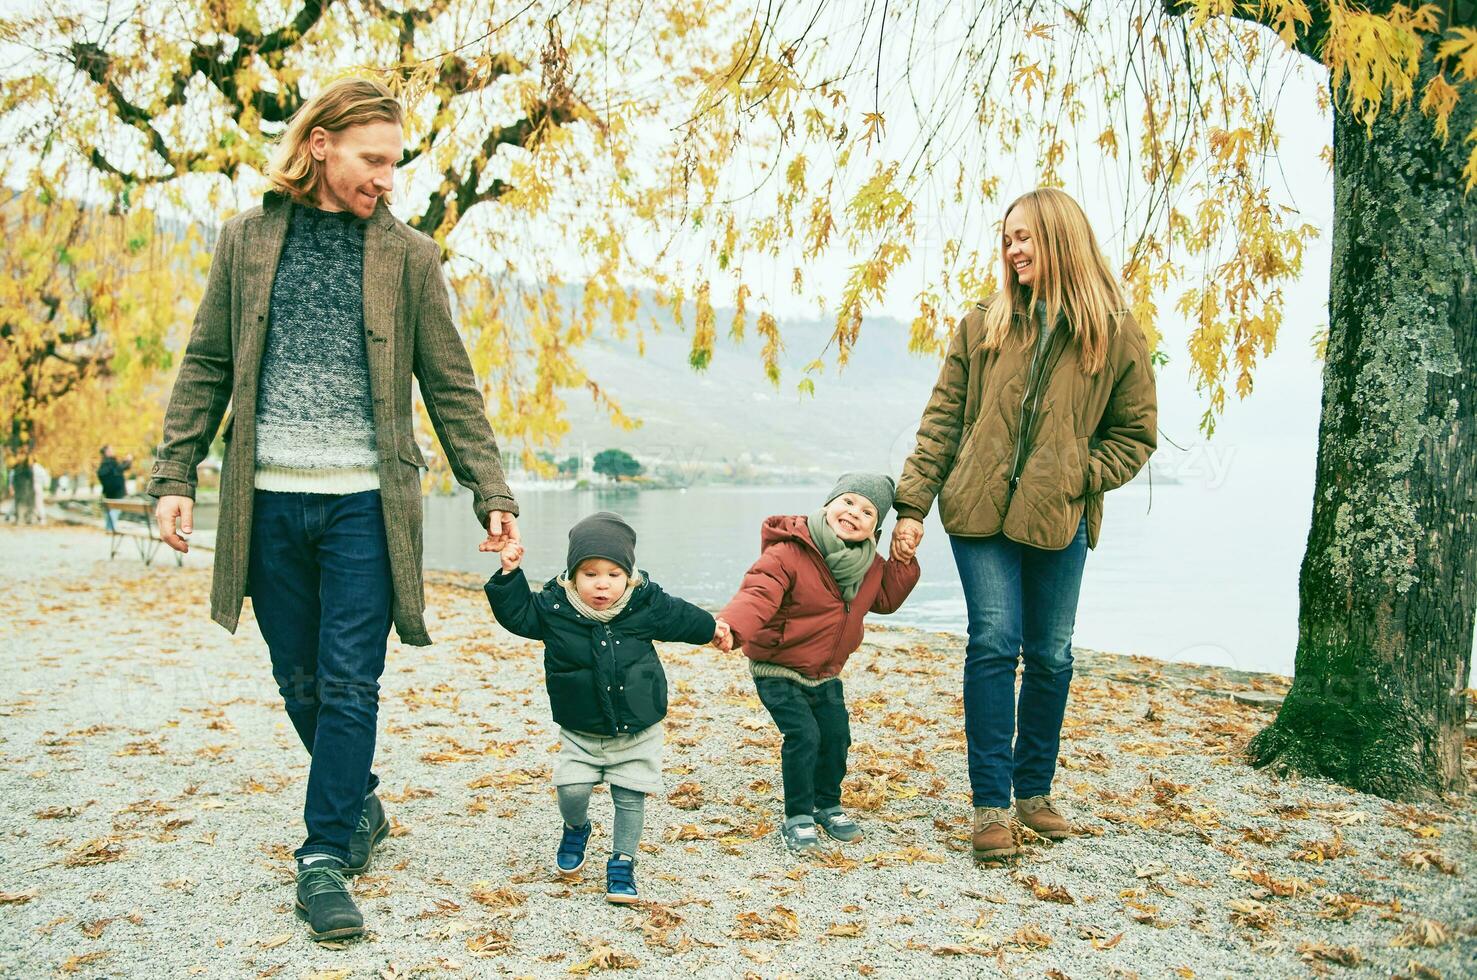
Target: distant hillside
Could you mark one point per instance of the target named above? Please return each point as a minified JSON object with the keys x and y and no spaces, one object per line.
{"x":731,"y":410}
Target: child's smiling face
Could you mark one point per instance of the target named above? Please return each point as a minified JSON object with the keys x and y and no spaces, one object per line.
{"x":600,"y":582}
{"x":852,"y":516}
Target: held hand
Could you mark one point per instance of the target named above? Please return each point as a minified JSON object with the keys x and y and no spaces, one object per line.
{"x":502,"y":527}
{"x":512,"y":555}
{"x":723,"y":636}
{"x":907,"y":534}
{"x":171,"y":510}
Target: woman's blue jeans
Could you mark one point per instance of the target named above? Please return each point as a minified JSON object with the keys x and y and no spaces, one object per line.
{"x":1022,"y":603}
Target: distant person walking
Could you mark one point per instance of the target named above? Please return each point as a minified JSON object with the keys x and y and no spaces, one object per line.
{"x":319,"y":307}
{"x":112,"y":476}
{"x":1045,"y":402}
{"x":40,"y":485}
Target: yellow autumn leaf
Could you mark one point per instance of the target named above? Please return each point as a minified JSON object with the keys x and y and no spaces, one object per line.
{"x":1461,"y":44}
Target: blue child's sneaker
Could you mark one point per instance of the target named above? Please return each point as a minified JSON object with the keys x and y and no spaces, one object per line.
{"x":620,"y":880}
{"x":837,"y":825}
{"x":800,"y":837}
{"x":571,"y":856}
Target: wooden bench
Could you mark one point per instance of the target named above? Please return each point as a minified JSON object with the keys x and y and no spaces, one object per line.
{"x":135,"y":521}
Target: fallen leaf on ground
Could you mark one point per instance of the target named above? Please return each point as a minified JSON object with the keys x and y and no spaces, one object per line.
{"x":1047,"y":893}
{"x":99,"y":850}
{"x":780,"y":923}
{"x":497,"y":898}
{"x":687,"y":796}
{"x":1342,"y":955}
{"x":1426,"y":932}
{"x":1252,"y":914}
{"x":491,"y":943}
{"x":1425,"y":858}
{"x":605,"y":958}
{"x":74,"y":963}
{"x":1028,"y":939}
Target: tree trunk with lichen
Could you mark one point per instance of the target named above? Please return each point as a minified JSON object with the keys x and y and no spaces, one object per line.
{"x":1388,"y":588}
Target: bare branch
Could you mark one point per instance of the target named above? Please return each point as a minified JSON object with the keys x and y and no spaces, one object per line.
{"x":525,"y":132}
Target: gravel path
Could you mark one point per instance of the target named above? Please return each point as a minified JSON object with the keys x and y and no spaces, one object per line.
{"x":151,"y":788}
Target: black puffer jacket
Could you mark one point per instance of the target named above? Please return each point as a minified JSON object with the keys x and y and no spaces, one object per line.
{"x":602,"y":678}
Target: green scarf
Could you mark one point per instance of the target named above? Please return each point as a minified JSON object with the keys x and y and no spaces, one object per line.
{"x":848,"y":561}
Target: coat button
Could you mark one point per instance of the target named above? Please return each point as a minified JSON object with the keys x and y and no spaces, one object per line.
{"x":602,"y":643}
{"x":617,"y":642}
{"x":556,"y":605}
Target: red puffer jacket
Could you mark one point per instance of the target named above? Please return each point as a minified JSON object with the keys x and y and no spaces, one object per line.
{"x":789,"y":609}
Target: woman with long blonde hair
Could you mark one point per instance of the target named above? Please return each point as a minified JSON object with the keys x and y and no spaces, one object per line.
{"x":1045,"y":402}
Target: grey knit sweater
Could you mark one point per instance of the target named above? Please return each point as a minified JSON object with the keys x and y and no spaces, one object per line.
{"x":314,"y":411}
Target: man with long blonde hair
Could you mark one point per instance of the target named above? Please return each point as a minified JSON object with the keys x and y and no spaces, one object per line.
{"x":319,"y":307}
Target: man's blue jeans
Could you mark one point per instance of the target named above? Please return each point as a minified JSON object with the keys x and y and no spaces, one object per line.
{"x":1022,"y":602}
{"x":320,"y":587}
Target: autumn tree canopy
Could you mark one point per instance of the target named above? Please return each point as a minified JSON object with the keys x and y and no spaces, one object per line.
{"x":541,"y":148}
{"x":90,"y":302}
{"x":579,"y":160}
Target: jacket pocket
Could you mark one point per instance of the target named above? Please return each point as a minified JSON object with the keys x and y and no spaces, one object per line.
{"x":572,"y":694}
{"x":958,"y":476}
{"x":645,"y":690}
{"x":1083,"y":463}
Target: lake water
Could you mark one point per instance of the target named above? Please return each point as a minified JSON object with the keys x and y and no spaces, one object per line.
{"x":1181,"y":573}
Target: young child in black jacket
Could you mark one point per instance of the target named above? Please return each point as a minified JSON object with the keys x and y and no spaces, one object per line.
{"x":598,"y":621}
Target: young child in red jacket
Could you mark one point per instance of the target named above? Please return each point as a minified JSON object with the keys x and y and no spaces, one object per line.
{"x":798,"y":616}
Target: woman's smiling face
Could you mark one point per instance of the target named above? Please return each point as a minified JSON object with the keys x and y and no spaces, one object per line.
{"x":1018,"y":244}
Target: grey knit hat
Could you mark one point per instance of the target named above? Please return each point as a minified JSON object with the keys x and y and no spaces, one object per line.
{"x":603,"y":535}
{"x":876,"y":487}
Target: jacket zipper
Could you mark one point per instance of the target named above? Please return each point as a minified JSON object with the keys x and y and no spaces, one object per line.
{"x":845,"y":603}
{"x":610,"y":648}
{"x":1020,"y":437}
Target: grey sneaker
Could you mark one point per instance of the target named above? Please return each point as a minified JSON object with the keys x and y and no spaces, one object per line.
{"x":800,"y":836}
{"x":837,"y":825}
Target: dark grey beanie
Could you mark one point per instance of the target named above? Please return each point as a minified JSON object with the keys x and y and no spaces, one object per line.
{"x":603,"y":535}
{"x":874,"y":486}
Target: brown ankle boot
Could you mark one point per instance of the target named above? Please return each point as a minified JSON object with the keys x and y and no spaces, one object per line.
{"x":992,"y":835}
{"x":1041,"y":815}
